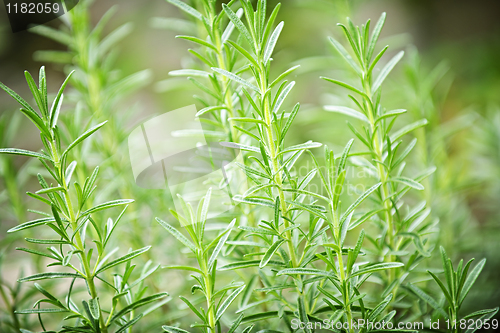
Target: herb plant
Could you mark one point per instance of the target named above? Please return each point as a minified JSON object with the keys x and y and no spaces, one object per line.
{"x":206,"y":252}
{"x":400,"y":225}
{"x":455,"y":288}
{"x":99,"y":88}
{"x":309,"y":245}
{"x":70,"y":220}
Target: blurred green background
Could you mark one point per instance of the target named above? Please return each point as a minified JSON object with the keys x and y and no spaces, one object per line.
{"x":450,"y":74}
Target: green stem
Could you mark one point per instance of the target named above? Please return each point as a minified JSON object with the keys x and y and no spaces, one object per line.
{"x":89,"y":275}
{"x":275,"y":163}
{"x":225,"y":86}
{"x":208,"y":290}
{"x":342,"y":274}
{"x":383,"y":176}
{"x":344,"y":282}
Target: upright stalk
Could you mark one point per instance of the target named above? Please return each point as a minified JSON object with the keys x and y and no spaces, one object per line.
{"x":382,"y":173}
{"x":275,"y":162}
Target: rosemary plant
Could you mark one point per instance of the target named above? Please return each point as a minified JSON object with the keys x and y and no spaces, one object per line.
{"x":100,"y":88}
{"x":220,"y":100}
{"x":386,"y":156}
{"x":70,"y":220}
{"x":277,"y":185}
{"x":206,"y":252}
{"x":455,"y":288}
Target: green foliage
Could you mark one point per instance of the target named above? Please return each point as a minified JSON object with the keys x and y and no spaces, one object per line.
{"x":458,"y":284}
{"x":342,"y":233}
{"x":206,"y":252}
{"x":70,"y":224}
{"x":387,"y":154}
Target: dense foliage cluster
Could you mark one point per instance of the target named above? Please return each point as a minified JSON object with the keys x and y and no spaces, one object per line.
{"x":303,"y":244}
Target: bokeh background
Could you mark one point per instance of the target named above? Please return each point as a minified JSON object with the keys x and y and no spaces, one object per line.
{"x":450,"y":74}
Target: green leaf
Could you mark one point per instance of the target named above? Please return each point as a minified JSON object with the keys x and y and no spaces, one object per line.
{"x":46,"y":276}
{"x":198,"y":41}
{"x":471,"y":278}
{"x":342,"y":51}
{"x":345,"y":154}
{"x":51,"y":33}
{"x":303,"y":314}
{"x":172,"y":329}
{"x":244,"y":53}
{"x":271,"y":44}
{"x":254,"y":201}
{"x":236,"y":78}
{"x":377,"y":267}
{"x":34,"y":311}
{"x":238,"y":24}
{"x":174,"y":232}
{"x":428,"y":299}
{"x":391,"y":113}
{"x":263,"y":316}
{"x":137,"y":304}
{"x":386,"y":70}
{"x":289,"y":121}
{"x":191,"y":306}
{"x":18,"y":98}
{"x":123,"y":259}
{"x":442,"y":286}
{"x":483,"y":319}
{"x":380,"y":308}
{"x":407,"y":129}
{"x":94,"y":308}
{"x":405,"y":153}
{"x":46,"y":241}
{"x":209,"y":109}
{"x":270,"y":252}
{"x":305,"y":271}
{"x":235,"y":324}
{"x":407,"y":182}
{"x":22,"y":152}
{"x":189,"y":72}
{"x":246,"y":264}
{"x":50,"y":190}
{"x":345,"y":85}
{"x":479,"y":313}
{"x":375,"y":35}
{"x":448,"y":270}
{"x":223,"y":307}
{"x":183,"y":268}
{"x":248,"y":120}
{"x":113,"y":38}
{"x":35,"y":119}
{"x":107,"y":205}
{"x":417,"y":241}
{"x":364,"y":218}
{"x":38,"y":253}
{"x":31,"y":224}
{"x":47,"y":294}
{"x":56,"y":105}
{"x":83,"y":137}
{"x":309,"y":208}
{"x":129,"y":324}
{"x":353,"y":255}
{"x":221,"y":243}
{"x":186,"y":8}
{"x":347,"y":111}
{"x":283,"y":75}
{"x":302,"y":146}
{"x":358,"y":202}
{"x":281,"y":98}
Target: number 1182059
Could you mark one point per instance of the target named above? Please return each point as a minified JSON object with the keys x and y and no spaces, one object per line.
{"x":33,"y":8}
